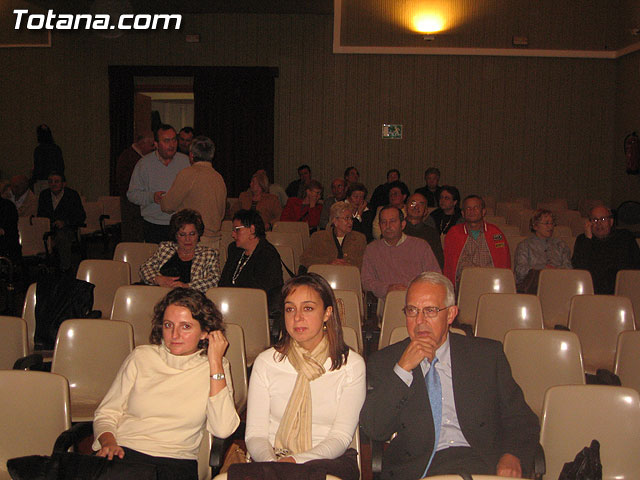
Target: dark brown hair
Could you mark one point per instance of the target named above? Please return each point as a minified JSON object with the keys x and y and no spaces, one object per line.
{"x":338,"y":350}
{"x":185,"y":217}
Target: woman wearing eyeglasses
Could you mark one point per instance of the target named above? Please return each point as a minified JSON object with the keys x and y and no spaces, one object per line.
{"x":252,"y":262}
{"x":539,"y":251}
{"x":183,"y":263}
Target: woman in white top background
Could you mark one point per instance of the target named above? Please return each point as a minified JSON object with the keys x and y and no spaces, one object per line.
{"x":166,"y":393}
{"x":305,"y":393}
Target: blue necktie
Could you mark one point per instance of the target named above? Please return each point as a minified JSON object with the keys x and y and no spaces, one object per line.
{"x":434,"y":389}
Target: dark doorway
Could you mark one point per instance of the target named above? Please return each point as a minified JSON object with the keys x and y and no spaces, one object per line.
{"x":232,"y":105}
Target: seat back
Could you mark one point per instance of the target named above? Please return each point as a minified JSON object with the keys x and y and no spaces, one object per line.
{"x":341,"y":277}
{"x":135,"y":304}
{"x":204,"y":470}
{"x":238,"y":363}
{"x":558,"y":361}
{"x":225,"y":240}
{"x":89,"y":353}
{"x":226,"y":226}
{"x":31,"y":231}
{"x":92,"y":222}
{"x":350,"y":313}
{"x":350,"y":338}
{"x":562,"y":231}
{"x":510,"y":230}
{"x":34,"y":410}
{"x":111,"y":207}
{"x":392,"y":316}
{"x":13,"y":341}
{"x":107,"y":276}
{"x":597,"y":320}
{"x":573,"y":415}
{"x":300,"y":227}
{"x":398,"y":334}
{"x":287,"y":257}
{"x":246,"y":307}
{"x":292,"y":239}
{"x":478,"y":280}
{"x":627,"y":282}
{"x":135,"y":254}
{"x":556,"y":287}
{"x":627,"y":364}
{"x":513,"y":241}
{"x":500,"y":312}
{"x":29,"y":315}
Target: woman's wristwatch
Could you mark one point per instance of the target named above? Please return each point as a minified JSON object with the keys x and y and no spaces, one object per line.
{"x":217,"y":376}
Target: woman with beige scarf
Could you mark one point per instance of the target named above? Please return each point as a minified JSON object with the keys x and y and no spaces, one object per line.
{"x":305,"y":393}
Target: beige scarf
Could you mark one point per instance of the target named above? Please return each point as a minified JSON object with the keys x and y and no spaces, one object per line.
{"x":294,"y":433}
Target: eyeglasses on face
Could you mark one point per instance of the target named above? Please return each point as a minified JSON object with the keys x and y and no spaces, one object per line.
{"x":415,"y":204}
{"x":238,"y":228}
{"x":431,"y":312}
{"x":184,"y":234}
{"x":595,"y":220}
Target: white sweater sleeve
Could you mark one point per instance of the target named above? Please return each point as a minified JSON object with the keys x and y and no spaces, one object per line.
{"x":257,"y":430}
{"x":222,"y":418}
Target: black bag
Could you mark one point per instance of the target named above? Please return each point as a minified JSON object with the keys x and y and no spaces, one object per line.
{"x":586,"y":465}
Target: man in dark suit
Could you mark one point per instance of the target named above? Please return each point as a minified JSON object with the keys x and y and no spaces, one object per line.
{"x":63,"y":207}
{"x":483,"y":424}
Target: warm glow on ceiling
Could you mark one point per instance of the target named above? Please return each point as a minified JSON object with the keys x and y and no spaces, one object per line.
{"x":428,"y":22}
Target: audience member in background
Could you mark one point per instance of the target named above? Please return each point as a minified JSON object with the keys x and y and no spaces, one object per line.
{"x":604,"y":251}
{"x":9,"y":237}
{"x":185,"y":137}
{"x":298,"y":187}
{"x":258,"y":198}
{"x":47,"y":158}
{"x":252,"y":262}
{"x":200,"y":187}
{"x":152,"y":176}
{"x":362,"y":215}
{"x":351,"y":175}
{"x":474,"y":243}
{"x":306,"y":209}
{"x":338,"y":189}
{"x":448,"y":213}
{"x":538,"y":252}
{"x":131,"y":228}
{"x":398,"y":193}
{"x":416,"y":226}
{"x":23,"y":198}
{"x":305,"y":393}
{"x":166,"y":392}
{"x":380,"y":196}
{"x":393,"y":261}
{"x":276,"y":190}
{"x":338,"y":244}
{"x":182,"y":262}
{"x":431,"y":189}
{"x":63,"y":207}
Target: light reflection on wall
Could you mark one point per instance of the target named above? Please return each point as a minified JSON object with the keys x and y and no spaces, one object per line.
{"x":431,"y":16}
{"x":428,"y":23}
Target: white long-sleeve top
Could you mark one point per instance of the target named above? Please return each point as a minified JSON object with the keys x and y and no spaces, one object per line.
{"x":336,"y":398}
{"x":159,"y":402}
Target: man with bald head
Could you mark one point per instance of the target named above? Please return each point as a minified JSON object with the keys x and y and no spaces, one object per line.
{"x":604,"y":251}
{"x":23,"y":198}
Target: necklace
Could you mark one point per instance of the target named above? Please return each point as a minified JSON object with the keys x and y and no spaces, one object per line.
{"x":241,"y":263}
{"x":443,"y":229}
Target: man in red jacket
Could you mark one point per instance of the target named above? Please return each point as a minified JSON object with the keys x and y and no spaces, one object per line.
{"x":474,"y":243}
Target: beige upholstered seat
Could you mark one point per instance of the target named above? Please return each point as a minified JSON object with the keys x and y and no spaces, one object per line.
{"x":226,"y":225}
{"x":93,"y":211}
{"x":400,"y":333}
{"x":237,"y":357}
{"x":13,"y":341}
{"x":341,"y":277}
{"x":392,"y":316}
{"x":29,"y":316}
{"x":34,"y":410}
{"x":562,"y":231}
{"x":89,"y":353}
{"x":350,"y":338}
{"x":628,"y":285}
{"x":540,"y":359}
{"x":556,"y":287}
{"x":500,"y":312}
{"x":597,"y":320}
{"x":300,"y":227}
{"x":513,"y":241}
{"x":627,"y":364}
{"x":286,"y":255}
{"x":510,"y":230}
{"x":111,"y":207}
{"x":293,"y":239}
{"x":134,"y":304}
{"x":573,"y":415}
{"x":225,"y":240}
{"x":107,"y":276}
{"x":246,"y":307}
{"x":31,"y":232}
{"x":135,"y":254}
{"x":351,"y":316}
{"x":474,"y":282}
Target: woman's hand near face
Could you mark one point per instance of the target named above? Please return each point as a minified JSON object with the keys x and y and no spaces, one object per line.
{"x":110,"y":447}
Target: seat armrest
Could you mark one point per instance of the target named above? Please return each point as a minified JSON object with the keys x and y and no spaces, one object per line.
{"x":30,"y":362}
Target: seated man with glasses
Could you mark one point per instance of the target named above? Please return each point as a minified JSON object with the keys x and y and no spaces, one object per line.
{"x":603,"y":250}
{"x":450,"y":400}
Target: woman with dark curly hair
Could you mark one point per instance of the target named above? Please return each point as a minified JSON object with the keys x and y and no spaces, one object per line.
{"x":183,"y":263}
{"x":166,"y":392}
{"x":306,"y":392}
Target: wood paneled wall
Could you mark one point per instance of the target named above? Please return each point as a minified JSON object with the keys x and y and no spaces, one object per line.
{"x":506,"y":126}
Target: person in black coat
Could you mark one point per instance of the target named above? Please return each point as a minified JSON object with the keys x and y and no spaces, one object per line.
{"x":252,"y":262}
{"x":9,"y":237}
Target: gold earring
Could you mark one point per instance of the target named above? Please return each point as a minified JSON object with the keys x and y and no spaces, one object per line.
{"x":324,"y":326}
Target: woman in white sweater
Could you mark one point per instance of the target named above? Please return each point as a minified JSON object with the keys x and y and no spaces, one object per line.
{"x":305,"y":393}
{"x":165,"y":393}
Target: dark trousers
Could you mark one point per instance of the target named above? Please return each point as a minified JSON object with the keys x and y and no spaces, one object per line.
{"x":459,"y":460}
{"x":155,"y":233}
{"x":167,"y":468}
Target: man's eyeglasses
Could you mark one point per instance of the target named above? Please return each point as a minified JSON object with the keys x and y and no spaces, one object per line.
{"x":238,"y":228}
{"x":431,"y":312}
{"x":415,"y":204}
{"x":600,"y":219}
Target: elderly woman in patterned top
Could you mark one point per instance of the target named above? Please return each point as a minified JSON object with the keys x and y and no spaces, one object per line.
{"x":183,"y":263}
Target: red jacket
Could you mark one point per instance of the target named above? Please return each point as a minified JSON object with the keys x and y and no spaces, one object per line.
{"x":457,"y":237}
{"x":295,"y":211}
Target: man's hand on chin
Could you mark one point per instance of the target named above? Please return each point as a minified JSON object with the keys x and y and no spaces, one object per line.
{"x":509,"y":466}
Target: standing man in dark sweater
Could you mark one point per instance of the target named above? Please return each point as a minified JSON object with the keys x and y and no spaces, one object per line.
{"x":604,"y":251}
